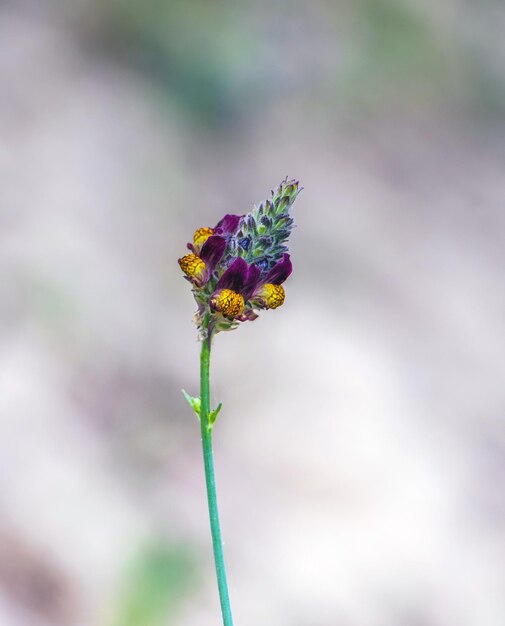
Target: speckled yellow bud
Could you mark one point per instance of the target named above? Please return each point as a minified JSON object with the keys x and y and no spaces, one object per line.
{"x":227,"y":302}
{"x":193,"y":267}
{"x":272,"y":295}
{"x":201,"y":235}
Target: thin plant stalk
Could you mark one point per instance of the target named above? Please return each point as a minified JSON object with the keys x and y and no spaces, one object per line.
{"x":206,"y":428}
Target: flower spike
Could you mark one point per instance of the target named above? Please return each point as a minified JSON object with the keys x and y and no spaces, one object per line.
{"x":240,"y":265}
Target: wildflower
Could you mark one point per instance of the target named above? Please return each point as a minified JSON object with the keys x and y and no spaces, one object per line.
{"x":234,"y":288}
{"x":240,"y":265}
{"x":199,"y":268}
{"x":235,"y":268}
{"x":225,"y":227}
{"x":270,"y":294}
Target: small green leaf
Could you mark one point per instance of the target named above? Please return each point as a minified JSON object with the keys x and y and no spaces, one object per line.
{"x":213,"y":414}
{"x":194,"y":403}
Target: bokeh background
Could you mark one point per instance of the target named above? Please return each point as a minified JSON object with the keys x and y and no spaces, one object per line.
{"x":361,"y":447}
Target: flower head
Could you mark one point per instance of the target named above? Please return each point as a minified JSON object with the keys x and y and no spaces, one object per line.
{"x":269,"y":293}
{"x":240,"y":265}
{"x":235,"y":288}
{"x":224,"y":228}
{"x":199,"y":267}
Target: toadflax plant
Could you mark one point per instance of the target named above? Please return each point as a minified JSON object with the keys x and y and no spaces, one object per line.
{"x":235,"y":268}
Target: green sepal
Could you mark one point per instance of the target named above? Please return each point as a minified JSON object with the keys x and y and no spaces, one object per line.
{"x":213,"y":414}
{"x":194,"y":403}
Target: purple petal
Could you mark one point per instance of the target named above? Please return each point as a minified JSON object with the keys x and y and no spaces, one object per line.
{"x":212,"y":251}
{"x":228,"y":224}
{"x":279,"y":272}
{"x":251,"y":282}
{"x":235,"y":276}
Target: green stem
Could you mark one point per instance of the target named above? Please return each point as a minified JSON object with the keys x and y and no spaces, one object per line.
{"x":210,"y":481}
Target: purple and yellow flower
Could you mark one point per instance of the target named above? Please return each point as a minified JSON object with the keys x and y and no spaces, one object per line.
{"x":199,"y":267}
{"x":242,"y":288}
{"x":270,"y":293}
{"x":234,"y":288}
{"x":240,"y":265}
{"x":207,"y":249}
{"x":224,"y":228}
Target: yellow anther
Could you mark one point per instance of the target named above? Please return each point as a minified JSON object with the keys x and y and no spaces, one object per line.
{"x":228,"y":303}
{"x":272,"y":295}
{"x":193,"y":266}
{"x":201,"y":235}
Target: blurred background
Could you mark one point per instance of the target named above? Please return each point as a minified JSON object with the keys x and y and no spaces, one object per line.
{"x":360,"y":452}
